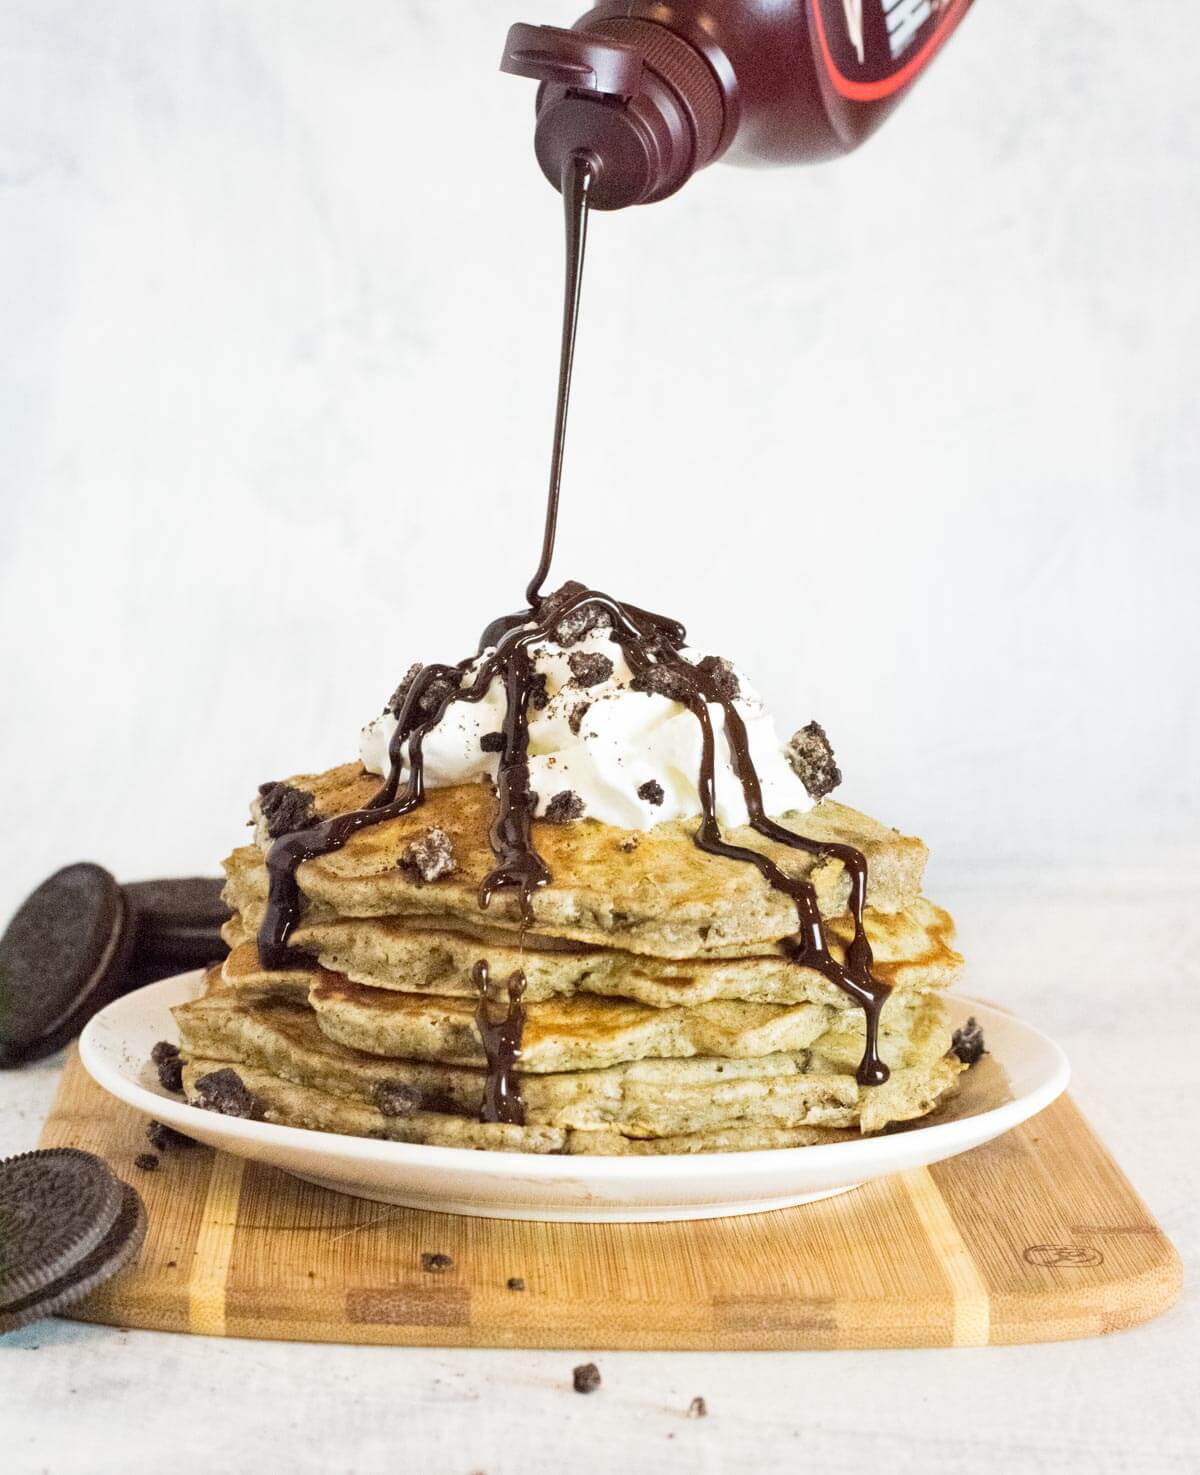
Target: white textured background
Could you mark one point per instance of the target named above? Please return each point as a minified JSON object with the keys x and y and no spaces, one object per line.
{"x":279,"y":289}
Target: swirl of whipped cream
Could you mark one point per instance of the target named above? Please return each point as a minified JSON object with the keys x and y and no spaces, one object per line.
{"x":632,"y":757}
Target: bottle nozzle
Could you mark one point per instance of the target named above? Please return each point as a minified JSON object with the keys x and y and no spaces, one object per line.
{"x":635,"y":99}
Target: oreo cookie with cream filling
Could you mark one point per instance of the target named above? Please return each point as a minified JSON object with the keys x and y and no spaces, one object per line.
{"x":66,"y":1224}
{"x":62,"y":957}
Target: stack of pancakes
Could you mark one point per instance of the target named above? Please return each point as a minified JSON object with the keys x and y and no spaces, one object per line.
{"x":662,"y":1014}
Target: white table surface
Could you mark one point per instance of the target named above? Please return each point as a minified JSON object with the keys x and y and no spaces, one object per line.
{"x":1112,"y":973}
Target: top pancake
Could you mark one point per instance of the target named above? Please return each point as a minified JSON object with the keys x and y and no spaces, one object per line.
{"x":651,"y":892}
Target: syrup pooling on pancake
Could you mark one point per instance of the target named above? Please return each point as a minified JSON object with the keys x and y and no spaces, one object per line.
{"x":652,"y":646}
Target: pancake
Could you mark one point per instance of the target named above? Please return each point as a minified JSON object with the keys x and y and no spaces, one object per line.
{"x":650,"y":1098}
{"x":582,"y":1033}
{"x":912,"y":951}
{"x":651,"y":892}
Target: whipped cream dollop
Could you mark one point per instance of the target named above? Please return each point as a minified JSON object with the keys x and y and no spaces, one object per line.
{"x":632,"y":757}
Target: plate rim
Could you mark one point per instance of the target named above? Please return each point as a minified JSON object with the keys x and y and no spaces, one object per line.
{"x":835,"y":1157}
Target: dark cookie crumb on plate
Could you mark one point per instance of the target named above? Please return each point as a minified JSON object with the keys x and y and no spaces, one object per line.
{"x":515,"y":1283}
{"x":967,"y":1042}
{"x":435,"y":1262}
{"x":147,"y":1162}
{"x":697,"y":1409}
{"x":224,"y":1092}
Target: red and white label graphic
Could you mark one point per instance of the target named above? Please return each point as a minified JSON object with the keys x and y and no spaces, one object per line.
{"x":872,"y":48}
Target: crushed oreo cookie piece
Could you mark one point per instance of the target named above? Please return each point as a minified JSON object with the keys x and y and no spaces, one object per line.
{"x":629,"y":844}
{"x":651,"y":791}
{"x":663,"y":681}
{"x":147,"y":1162}
{"x":170,"y":1074}
{"x":585,"y":1378}
{"x":720,"y":678}
{"x":395,"y":703}
{"x":697,"y":1409}
{"x":492,"y":742}
{"x":224,"y":1092}
{"x":578,"y":712}
{"x":811,"y":756}
{"x":563,"y":808}
{"x":164,"y":1139}
{"x":435,"y":694}
{"x":515,"y":1283}
{"x":967,"y":1042}
{"x":431,"y":855}
{"x":539,"y":692}
{"x":396,"y":1098}
{"x":435,"y":1262}
{"x":166,"y":1060}
{"x":571,"y":628}
{"x":589,"y":668}
{"x":285,"y":808}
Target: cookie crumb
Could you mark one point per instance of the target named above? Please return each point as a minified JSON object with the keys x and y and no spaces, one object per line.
{"x":147,"y":1162}
{"x":578,"y":712}
{"x":492,"y":742}
{"x":285,"y":808}
{"x":435,"y":1262}
{"x":967,"y":1042}
{"x":629,"y":844}
{"x":589,"y":668}
{"x":515,"y":1283}
{"x":396,"y":1098}
{"x":169,"y":1066}
{"x":164,"y":1138}
{"x":395,"y":703}
{"x":563,"y":808}
{"x":539,"y":692}
{"x":697,"y":1409}
{"x":811,"y":756}
{"x":571,"y":628}
{"x":431,"y":855}
{"x":651,"y":791}
{"x":585,"y":1378}
{"x":720,"y":677}
{"x":224,"y":1092}
{"x":663,"y":681}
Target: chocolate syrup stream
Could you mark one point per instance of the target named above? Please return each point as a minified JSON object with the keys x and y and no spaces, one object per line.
{"x":576,"y":184}
{"x":502,"y":1045}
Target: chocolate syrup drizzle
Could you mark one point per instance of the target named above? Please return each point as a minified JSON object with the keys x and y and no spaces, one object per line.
{"x":648,"y":641}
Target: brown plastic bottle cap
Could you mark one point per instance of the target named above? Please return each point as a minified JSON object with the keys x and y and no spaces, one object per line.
{"x":637,"y":100}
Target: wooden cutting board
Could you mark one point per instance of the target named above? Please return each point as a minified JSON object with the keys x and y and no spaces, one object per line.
{"x":1035,"y":1237}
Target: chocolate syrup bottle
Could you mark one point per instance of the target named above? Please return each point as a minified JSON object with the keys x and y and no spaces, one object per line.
{"x":651,"y":92}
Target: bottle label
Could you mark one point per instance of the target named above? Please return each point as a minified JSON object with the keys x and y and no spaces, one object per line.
{"x":872,"y":48}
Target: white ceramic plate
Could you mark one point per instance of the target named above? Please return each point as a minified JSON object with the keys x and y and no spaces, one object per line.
{"x":1023,"y":1073}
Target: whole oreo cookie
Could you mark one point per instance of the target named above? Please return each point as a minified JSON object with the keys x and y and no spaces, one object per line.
{"x":56,"y":1208}
{"x":111,"y":1252}
{"x":178,"y":922}
{"x":81,"y":940}
{"x":62,"y":957}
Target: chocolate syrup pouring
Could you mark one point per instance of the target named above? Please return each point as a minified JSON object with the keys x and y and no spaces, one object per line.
{"x":651,"y":645}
